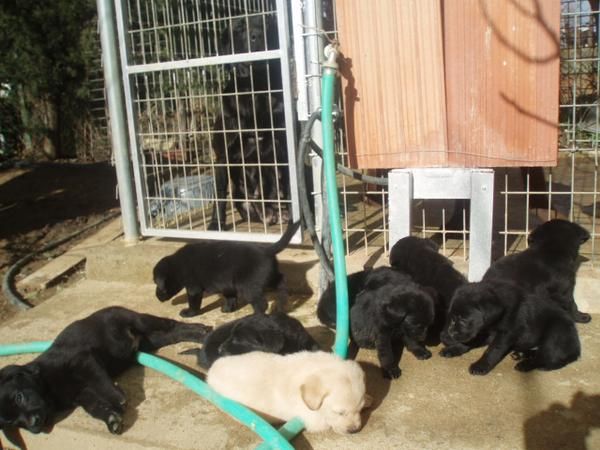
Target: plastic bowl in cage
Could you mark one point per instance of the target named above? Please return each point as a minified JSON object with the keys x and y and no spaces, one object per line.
{"x":183,"y":195}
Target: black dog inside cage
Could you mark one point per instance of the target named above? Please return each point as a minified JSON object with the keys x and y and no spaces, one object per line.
{"x":249,"y":138}
{"x":212,"y":135}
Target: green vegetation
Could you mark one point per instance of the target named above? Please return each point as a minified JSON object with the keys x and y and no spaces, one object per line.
{"x":48,"y":53}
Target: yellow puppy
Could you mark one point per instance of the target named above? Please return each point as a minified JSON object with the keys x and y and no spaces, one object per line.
{"x":320,"y":388}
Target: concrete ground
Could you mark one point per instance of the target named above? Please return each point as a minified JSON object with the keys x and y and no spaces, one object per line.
{"x":435,"y":404}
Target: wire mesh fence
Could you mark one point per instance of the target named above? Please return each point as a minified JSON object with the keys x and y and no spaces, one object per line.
{"x":213,"y":128}
{"x":210,"y":116}
{"x":524,"y":197}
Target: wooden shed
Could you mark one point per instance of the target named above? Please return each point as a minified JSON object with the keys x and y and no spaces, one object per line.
{"x":455,"y":83}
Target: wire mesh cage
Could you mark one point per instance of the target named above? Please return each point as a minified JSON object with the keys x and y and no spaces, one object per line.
{"x":525,"y":196}
{"x":569,"y":190}
{"x":212,"y":123}
{"x":210,"y":116}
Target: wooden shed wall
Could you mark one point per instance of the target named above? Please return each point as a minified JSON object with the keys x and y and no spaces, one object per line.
{"x":469,"y":83}
{"x":393,"y":81}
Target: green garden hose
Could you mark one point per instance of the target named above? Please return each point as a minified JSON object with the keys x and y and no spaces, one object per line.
{"x":329,"y":166}
{"x":272,"y":438}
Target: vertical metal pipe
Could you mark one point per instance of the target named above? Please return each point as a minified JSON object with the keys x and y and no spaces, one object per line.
{"x":400,"y":189}
{"x":314,"y":52}
{"x":284,"y":39}
{"x":314,"y":56}
{"x":118,"y":126}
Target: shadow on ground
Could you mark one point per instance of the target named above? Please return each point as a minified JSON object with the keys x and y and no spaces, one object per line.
{"x":564,"y":426}
{"x":44,"y":195}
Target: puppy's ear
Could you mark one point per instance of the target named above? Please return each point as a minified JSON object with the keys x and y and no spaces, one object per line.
{"x":313,"y":392}
{"x":11,"y":371}
{"x":6,"y":372}
{"x":396,"y":311}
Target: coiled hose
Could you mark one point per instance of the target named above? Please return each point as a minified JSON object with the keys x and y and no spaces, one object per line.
{"x":8,"y":281}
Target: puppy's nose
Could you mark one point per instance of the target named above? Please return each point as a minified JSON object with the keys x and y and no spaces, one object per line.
{"x":354,"y":429}
{"x":355,"y":425}
{"x":34,"y":420}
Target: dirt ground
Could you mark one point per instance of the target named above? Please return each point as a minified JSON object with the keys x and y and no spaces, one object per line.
{"x":41,"y":203}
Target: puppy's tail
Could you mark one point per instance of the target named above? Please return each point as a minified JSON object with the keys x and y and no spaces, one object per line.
{"x":285,"y":238}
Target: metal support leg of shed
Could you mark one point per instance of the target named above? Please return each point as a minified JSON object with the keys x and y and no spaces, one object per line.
{"x":476,"y":185}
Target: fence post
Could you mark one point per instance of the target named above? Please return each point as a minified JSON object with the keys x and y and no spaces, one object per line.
{"x":118,"y":126}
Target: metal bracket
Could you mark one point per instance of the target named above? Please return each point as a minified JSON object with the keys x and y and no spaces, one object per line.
{"x":477,"y":185}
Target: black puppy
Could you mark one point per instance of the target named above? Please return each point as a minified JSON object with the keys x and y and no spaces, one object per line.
{"x":509,"y":320}
{"x":548,"y":267}
{"x":238,"y":270}
{"x":390,"y":313}
{"x":420,"y":259}
{"x":368,"y":278}
{"x":250,"y":129}
{"x":78,"y":369}
{"x":326,"y":309}
{"x":274,"y":333}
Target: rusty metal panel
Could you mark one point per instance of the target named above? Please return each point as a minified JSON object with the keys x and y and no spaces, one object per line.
{"x":393,"y":82}
{"x":502,"y":75}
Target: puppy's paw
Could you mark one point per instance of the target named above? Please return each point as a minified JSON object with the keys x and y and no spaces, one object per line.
{"x":229,"y":305}
{"x":115,"y":423}
{"x":582,"y":317}
{"x":525,"y":354}
{"x":451,"y":351}
{"x":479,"y":368}
{"x":422,"y":353}
{"x":121,"y":397}
{"x":189,"y":312}
{"x":392,"y":372}
{"x":517,"y":356}
{"x":525,"y":365}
